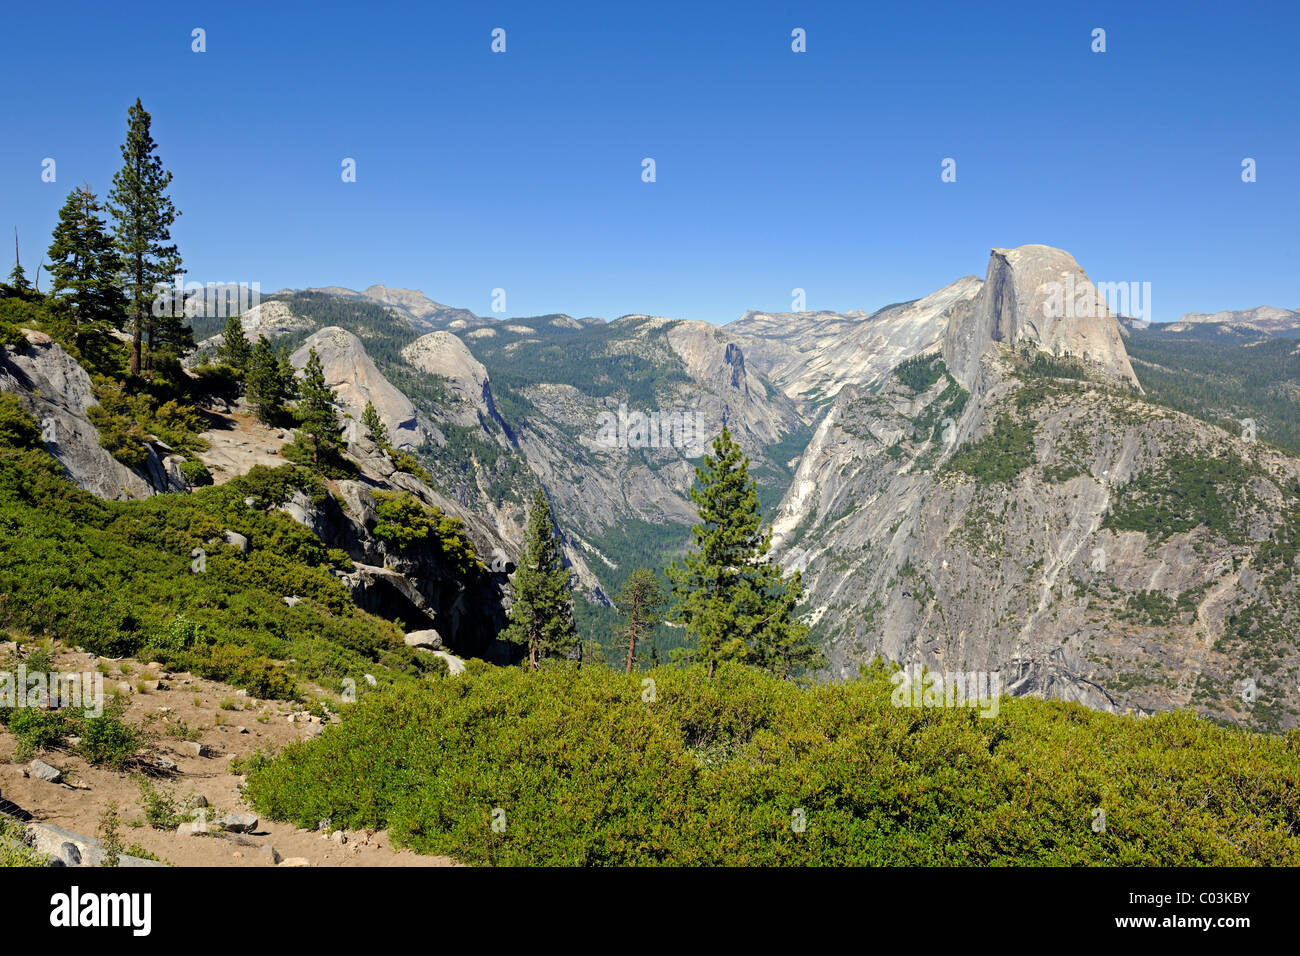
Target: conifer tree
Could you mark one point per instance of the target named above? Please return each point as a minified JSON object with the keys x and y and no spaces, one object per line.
{"x":234,"y":349}
{"x":374,"y":425}
{"x":17,"y":277}
{"x":85,"y":270}
{"x":541,"y":619}
{"x":317,"y":411}
{"x":732,"y":598}
{"x":267,"y":391}
{"x":639,"y":602}
{"x":143,"y":216}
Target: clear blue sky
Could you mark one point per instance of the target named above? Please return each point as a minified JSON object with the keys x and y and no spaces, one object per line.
{"x":775,"y":170}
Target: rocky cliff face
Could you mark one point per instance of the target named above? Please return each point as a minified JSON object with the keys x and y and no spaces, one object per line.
{"x":352,"y":374}
{"x":812,"y":355}
{"x":446,"y":357}
{"x":1044,"y":521}
{"x":1038,"y":297}
{"x":56,"y":391}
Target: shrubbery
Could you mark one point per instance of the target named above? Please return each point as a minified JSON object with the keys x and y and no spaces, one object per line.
{"x":588,"y":772}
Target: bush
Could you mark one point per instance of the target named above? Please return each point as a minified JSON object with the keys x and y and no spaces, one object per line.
{"x":711,"y":772}
{"x":196,"y":473}
{"x":107,"y":741}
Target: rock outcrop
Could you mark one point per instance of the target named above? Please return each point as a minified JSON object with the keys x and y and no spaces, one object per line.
{"x":1036,"y":296}
{"x":443,"y":355}
{"x":355,"y":380}
{"x":968,"y":522}
{"x":812,"y":355}
{"x":56,"y":391}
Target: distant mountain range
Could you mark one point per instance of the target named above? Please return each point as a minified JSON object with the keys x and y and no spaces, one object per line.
{"x":968,"y":479}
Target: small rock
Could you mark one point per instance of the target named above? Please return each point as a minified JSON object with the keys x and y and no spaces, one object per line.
{"x":196,"y":748}
{"x":295,"y":861}
{"x":428,"y":639}
{"x":43,"y":771}
{"x":164,"y":763}
{"x":163,"y":685}
{"x":339,"y":837}
{"x":236,"y":539}
{"x":292,"y":600}
{"x":314,"y":730}
{"x":241,"y":693}
{"x":71,"y":854}
{"x":186,"y":829}
{"x":242,"y":730}
{"x":268,"y":854}
{"x":239,"y":822}
{"x":196,"y":800}
{"x":370,"y":678}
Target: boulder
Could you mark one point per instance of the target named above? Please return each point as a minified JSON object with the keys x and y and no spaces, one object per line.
{"x":428,"y":639}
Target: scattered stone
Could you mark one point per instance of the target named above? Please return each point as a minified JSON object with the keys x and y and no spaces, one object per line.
{"x":429,"y":639}
{"x":242,"y":730}
{"x":195,"y":800}
{"x":241,"y":693}
{"x":236,"y":539}
{"x":71,"y":854}
{"x":196,"y":749}
{"x":295,"y":861}
{"x":339,"y":837}
{"x":314,"y":730}
{"x":43,"y":771}
{"x":186,"y":829}
{"x":164,"y":763}
{"x":269,"y":855}
{"x":239,"y":822}
{"x":370,"y":678}
{"x":293,"y":600}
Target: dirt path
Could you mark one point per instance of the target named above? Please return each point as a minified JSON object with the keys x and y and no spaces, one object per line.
{"x":214,"y":714}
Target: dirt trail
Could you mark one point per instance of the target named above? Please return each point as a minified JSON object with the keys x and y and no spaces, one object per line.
{"x":194,"y":703}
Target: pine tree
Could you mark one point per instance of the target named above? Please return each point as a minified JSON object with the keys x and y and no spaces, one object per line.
{"x":287,"y":378}
{"x":86,"y":270}
{"x":733,"y":600}
{"x":266,"y":390}
{"x":639,"y":602}
{"x":541,"y":619}
{"x":317,"y":411}
{"x":17,"y":277}
{"x":143,"y":216}
{"x":375,"y":425}
{"x":234,"y":349}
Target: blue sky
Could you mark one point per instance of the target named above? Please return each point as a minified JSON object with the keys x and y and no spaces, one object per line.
{"x":775,"y":169}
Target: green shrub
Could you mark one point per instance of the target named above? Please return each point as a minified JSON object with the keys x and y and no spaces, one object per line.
{"x":712,"y":772}
{"x":196,"y":473}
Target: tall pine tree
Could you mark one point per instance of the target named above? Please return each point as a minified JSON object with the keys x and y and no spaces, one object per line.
{"x":86,"y":271}
{"x":234,"y":349}
{"x":732,"y":598}
{"x":541,"y":619}
{"x":143,"y":217}
{"x":317,"y":412}
{"x":267,"y":389}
